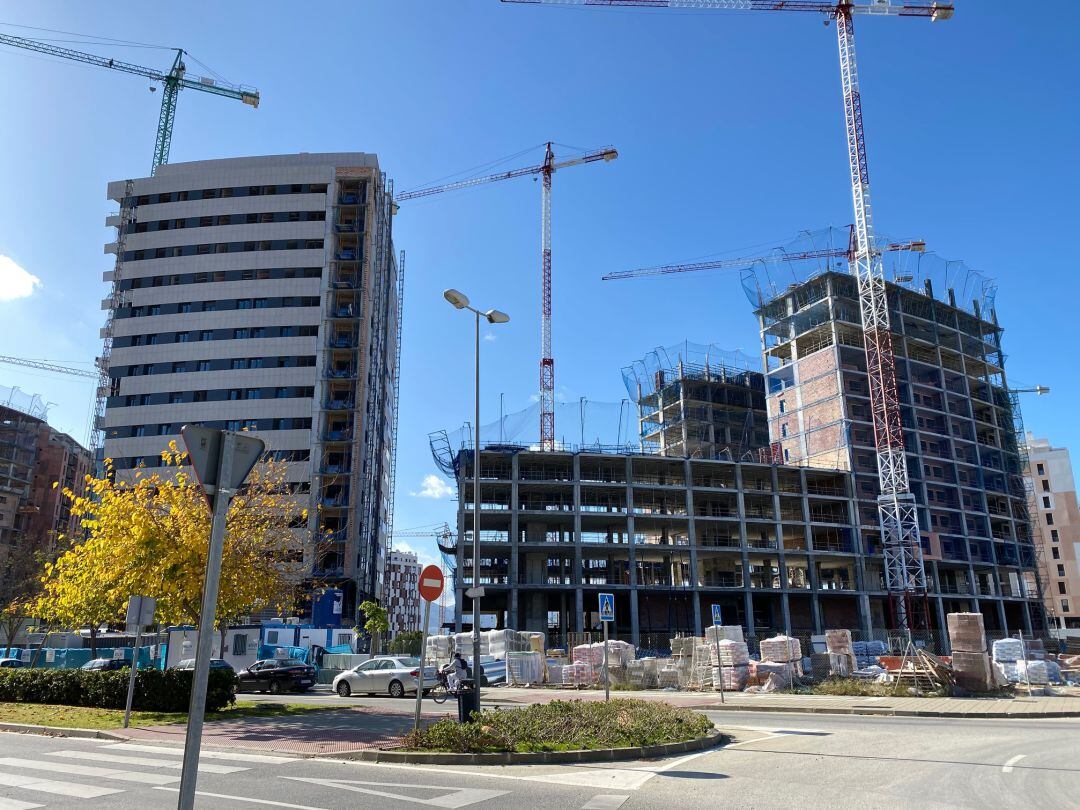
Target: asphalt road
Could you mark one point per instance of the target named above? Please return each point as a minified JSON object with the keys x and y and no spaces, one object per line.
{"x":775,"y":760}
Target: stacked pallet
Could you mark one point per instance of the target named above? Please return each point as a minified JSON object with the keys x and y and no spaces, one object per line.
{"x":842,"y":661}
{"x":729,"y":632}
{"x":579,"y":673}
{"x":525,"y":668}
{"x":971,"y":666}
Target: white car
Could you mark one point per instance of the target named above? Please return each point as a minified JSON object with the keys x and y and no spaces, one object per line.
{"x":392,"y":675}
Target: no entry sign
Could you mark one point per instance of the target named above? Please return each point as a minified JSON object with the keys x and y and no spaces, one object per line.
{"x":431,"y":583}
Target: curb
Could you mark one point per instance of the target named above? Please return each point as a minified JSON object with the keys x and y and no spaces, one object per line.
{"x":711,"y":739}
{"x":54,"y":731}
{"x":886,"y":711}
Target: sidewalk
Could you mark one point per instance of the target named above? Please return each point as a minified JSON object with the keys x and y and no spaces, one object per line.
{"x":1020,"y":706}
{"x":333,"y":731}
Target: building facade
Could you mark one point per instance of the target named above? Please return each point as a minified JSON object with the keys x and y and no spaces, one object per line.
{"x":960,"y":422}
{"x":62,"y":465}
{"x":774,"y":546}
{"x":263,"y":294}
{"x":403,"y":592}
{"x":1058,"y":529}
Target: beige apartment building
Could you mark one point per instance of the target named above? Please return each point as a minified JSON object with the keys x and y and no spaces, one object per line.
{"x":1051,"y":471}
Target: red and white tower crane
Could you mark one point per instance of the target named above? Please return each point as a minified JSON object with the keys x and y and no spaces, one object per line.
{"x":545,"y":170}
{"x":905,"y":575}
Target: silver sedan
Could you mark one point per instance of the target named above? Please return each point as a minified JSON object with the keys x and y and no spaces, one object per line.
{"x":392,"y":675}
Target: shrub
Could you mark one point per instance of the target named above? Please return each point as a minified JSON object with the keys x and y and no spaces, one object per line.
{"x":155,"y":691}
{"x":564,"y":726}
{"x":405,"y":644}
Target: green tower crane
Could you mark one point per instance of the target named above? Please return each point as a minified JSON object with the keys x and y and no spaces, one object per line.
{"x":172,"y":82}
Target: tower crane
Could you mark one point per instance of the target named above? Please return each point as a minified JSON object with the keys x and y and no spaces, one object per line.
{"x":172,"y":82}
{"x":44,"y":365}
{"x":905,"y":575}
{"x":545,"y":170}
{"x":446,"y":539}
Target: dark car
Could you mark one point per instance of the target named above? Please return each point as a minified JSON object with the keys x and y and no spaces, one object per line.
{"x":11,"y":663}
{"x":215,"y":663}
{"x":105,"y":664}
{"x":276,"y":675}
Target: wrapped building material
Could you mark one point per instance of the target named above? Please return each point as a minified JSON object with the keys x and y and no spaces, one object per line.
{"x":973,"y":671}
{"x":669,"y":677}
{"x":774,"y":674}
{"x":578,"y":673}
{"x":1034,"y":672}
{"x":463,"y":643}
{"x":966,"y":632}
{"x":733,"y":678}
{"x":781,"y":649}
{"x":1008,"y":651}
{"x":732,"y":654}
{"x":838,"y":641}
{"x":731,"y":632}
{"x":524,"y":668}
{"x":682,"y":645}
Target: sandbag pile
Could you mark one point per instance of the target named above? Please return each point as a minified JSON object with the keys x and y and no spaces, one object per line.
{"x":971,"y":665}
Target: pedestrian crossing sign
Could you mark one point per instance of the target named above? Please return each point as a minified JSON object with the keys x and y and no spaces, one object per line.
{"x":607,"y":607}
{"x":716,"y":615}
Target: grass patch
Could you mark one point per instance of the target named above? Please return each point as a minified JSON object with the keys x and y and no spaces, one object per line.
{"x":856,"y":687}
{"x":44,"y":714}
{"x":563,"y":725}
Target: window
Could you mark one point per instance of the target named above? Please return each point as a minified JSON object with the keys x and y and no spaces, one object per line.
{"x":1064,"y":606}
{"x":200,"y":396}
{"x":1046,"y":485}
{"x":233,"y":424}
{"x":176,"y":398}
{"x":1046,"y":501}
{"x":239,"y":644}
{"x":1055,"y":552}
{"x":258,"y":332}
{"x":1040,"y":469}
{"x":206,"y":334}
{"x":240,"y":334}
{"x":234,"y":393}
{"x":179,"y":368}
{"x":1049,"y":519}
{"x":1054,"y":535}
{"x":281,"y":393}
{"x":1061,"y":586}
{"x":243,"y":303}
{"x":140,"y":430}
{"x":164,"y":429}
{"x":1061,"y":569}
{"x":272,"y":635}
{"x":783,"y":406}
{"x":239,"y":362}
{"x":254,"y":393}
{"x":260,"y":303}
{"x":783,"y":430}
{"x":183,"y":337}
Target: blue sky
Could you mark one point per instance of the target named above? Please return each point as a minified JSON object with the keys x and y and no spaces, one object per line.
{"x":730,"y":135}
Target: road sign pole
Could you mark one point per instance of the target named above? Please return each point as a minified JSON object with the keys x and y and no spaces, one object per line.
{"x":197,"y":709}
{"x":423,"y":650}
{"x":131,"y":677}
{"x":607,"y":669}
{"x":716,"y":640}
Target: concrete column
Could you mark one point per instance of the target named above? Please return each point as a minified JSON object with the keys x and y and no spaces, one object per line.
{"x":1026,"y":617}
{"x":865,"y":621}
{"x":939,"y":605}
{"x":579,"y":612}
{"x":515,"y":608}
{"x":695,"y":587}
{"x":747,"y":590}
{"x":785,"y":611}
{"x":635,"y":629}
{"x":1001,"y":616}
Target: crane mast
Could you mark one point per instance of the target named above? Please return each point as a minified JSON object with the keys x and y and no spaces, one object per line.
{"x":545,"y":170}
{"x":902,"y":549}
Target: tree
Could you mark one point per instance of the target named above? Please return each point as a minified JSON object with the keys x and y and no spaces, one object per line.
{"x":407,"y":643}
{"x":150,"y":536}
{"x":376,"y":622}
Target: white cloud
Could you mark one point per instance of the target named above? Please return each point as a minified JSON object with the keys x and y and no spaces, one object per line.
{"x":433,"y":487}
{"x":14,"y":281}
{"x":421,"y":556}
{"x":489,"y":336}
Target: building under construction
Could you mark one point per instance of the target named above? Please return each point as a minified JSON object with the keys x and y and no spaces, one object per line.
{"x":698,"y":401}
{"x":960,"y":425}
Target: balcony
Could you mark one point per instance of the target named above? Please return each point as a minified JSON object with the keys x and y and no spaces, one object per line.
{"x":344,"y":312}
{"x":342,"y":342}
{"x":348,"y":198}
{"x":347,"y":227}
{"x":337,"y":436}
{"x":346,"y":255}
{"x":339,"y":405}
{"x":339,"y":374}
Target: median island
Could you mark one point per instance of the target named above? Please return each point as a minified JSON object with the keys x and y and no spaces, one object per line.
{"x":562,"y":725}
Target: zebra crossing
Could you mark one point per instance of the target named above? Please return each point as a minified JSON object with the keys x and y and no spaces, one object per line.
{"x":107,"y":770}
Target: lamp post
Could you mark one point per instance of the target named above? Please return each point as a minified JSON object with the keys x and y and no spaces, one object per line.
{"x":461,"y":301}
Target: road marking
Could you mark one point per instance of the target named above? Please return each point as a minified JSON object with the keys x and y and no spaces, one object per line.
{"x":245,"y":799}
{"x":456,"y":797}
{"x":604,"y":801}
{"x":15,"y":804}
{"x":94,"y":756}
{"x":59,"y":788}
{"x":1008,"y":766}
{"x":89,"y":770}
{"x":179,"y":752}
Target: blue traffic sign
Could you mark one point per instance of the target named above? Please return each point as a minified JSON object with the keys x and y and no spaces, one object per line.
{"x":607,"y":607}
{"x":716,"y":615}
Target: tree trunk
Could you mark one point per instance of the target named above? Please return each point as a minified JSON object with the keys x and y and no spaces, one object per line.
{"x":41,"y":647}
{"x":93,"y":641}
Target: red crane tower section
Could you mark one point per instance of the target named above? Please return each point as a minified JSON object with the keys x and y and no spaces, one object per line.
{"x":905,"y":575}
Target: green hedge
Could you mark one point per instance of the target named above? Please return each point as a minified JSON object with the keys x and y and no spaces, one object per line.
{"x":155,"y":691}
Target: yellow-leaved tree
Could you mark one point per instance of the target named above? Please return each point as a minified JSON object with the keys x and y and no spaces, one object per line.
{"x":150,"y":536}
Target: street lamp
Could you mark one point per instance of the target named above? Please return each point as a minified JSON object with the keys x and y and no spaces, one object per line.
{"x":461,"y":301}
{"x":1038,"y":389}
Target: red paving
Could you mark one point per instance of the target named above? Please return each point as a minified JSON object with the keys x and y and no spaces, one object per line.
{"x":332,"y":731}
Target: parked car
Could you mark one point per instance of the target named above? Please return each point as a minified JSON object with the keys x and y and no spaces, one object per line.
{"x":105,"y":664}
{"x":276,"y":675}
{"x":215,"y":663}
{"x":393,"y":675}
{"x":11,"y":663}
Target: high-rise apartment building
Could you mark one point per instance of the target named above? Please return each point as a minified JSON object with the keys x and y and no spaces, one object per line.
{"x":263,"y":293}
{"x":960,"y":432}
{"x":403,"y":592}
{"x":1058,"y":531}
